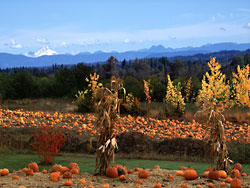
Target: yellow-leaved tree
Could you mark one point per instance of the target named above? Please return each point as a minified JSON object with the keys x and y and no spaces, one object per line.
{"x":241,"y":85}
{"x":174,"y":98}
{"x":85,"y":100}
{"x":213,"y":98}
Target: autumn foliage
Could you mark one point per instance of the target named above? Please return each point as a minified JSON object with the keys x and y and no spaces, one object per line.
{"x":174,"y":98}
{"x":47,"y":143}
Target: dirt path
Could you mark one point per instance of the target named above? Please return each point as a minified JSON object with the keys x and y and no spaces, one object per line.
{"x":155,"y":175}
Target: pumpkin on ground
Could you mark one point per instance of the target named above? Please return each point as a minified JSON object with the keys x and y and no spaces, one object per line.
{"x":157,"y":167}
{"x":54,"y":176}
{"x":143,"y":174}
{"x":111,"y":172}
{"x":210,"y":185}
{"x":222,"y":174}
{"x":179,"y":173}
{"x":44,"y":171}
{"x":229,"y":180}
{"x":122,"y":177}
{"x":33,"y":166}
{"x":29,"y":172}
{"x":183,"y":185}
{"x":130,"y":171}
{"x":83,"y":181}
{"x":68,"y":183}
{"x":238,"y":166}
{"x":235,"y":173}
{"x":236,"y":183}
{"x":214,"y":175}
{"x":190,"y":174}
{"x":57,"y":168}
{"x":5,"y":172}
{"x":139,"y":182}
{"x":157,"y":185}
{"x":15,"y":177}
{"x":67,"y":175}
{"x":170,"y":176}
{"x":72,"y":165}
{"x":105,"y":186}
{"x":223,"y":184}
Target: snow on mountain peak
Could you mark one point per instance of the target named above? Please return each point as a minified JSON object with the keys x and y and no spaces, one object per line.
{"x":44,"y":51}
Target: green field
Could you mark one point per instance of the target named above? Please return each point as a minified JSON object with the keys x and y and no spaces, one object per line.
{"x":87,"y":162}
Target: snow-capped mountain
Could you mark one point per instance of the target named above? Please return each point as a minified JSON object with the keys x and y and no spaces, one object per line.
{"x":44,"y":51}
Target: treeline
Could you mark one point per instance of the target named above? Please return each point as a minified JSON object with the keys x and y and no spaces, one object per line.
{"x":64,"y":81}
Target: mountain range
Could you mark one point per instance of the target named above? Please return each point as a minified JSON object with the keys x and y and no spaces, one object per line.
{"x":47,"y":57}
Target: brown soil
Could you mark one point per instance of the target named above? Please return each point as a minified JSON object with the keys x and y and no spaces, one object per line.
{"x":155,"y":175}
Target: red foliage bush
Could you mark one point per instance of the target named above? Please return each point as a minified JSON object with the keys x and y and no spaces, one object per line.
{"x":47,"y":143}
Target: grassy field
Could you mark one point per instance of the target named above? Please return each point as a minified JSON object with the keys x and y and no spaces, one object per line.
{"x":87,"y":162}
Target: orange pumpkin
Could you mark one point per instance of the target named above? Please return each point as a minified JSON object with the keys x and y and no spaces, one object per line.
{"x":5,"y":172}
{"x":179,"y":173}
{"x":105,"y":186}
{"x":91,"y":186}
{"x":54,"y":176}
{"x":157,"y":167}
{"x":83,"y":181}
{"x":157,"y":185}
{"x":198,"y":186}
{"x":190,"y":174}
{"x":170,"y":176}
{"x":72,"y":165}
{"x":136,"y":169}
{"x":25,"y":170}
{"x":238,"y":166}
{"x":223,"y":184}
{"x":122,"y":177}
{"x":64,"y":169}
{"x":143,"y":174}
{"x":229,"y":180}
{"x":222,"y":174}
{"x":236,"y":183}
{"x":139,"y":182}
{"x":130,"y":171}
{"x":33,"y":166}
{"x":67,"y":175}
{"x":44,"y":171}
{"x":183,"y":185}
{"x":214,"y":175}
{"x":29,"y":172}
{"x":15,"y":177}
{"x":57,"y":168}
{"x":75,"y":170}
{"x":111,"y":172}
{"x":68,"y":183}
{"x":210,"y":185}
{"x":244,"y":174}
{"x":235,"y":173}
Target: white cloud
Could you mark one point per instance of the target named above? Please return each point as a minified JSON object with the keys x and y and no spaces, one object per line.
{"x":64,"y":44}
{"x":42,"y":41}
{"x":12,"y":44}
{"x":126,"y":41}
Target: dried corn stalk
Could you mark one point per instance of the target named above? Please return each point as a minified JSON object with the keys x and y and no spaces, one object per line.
{"x":107,"y":112}
{"x":216,"y":138}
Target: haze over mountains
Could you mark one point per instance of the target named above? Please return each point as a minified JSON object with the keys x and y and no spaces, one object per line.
{"x":46,"y":57}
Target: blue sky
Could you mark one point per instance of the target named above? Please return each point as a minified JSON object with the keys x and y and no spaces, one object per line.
{"x":114,"y":25}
